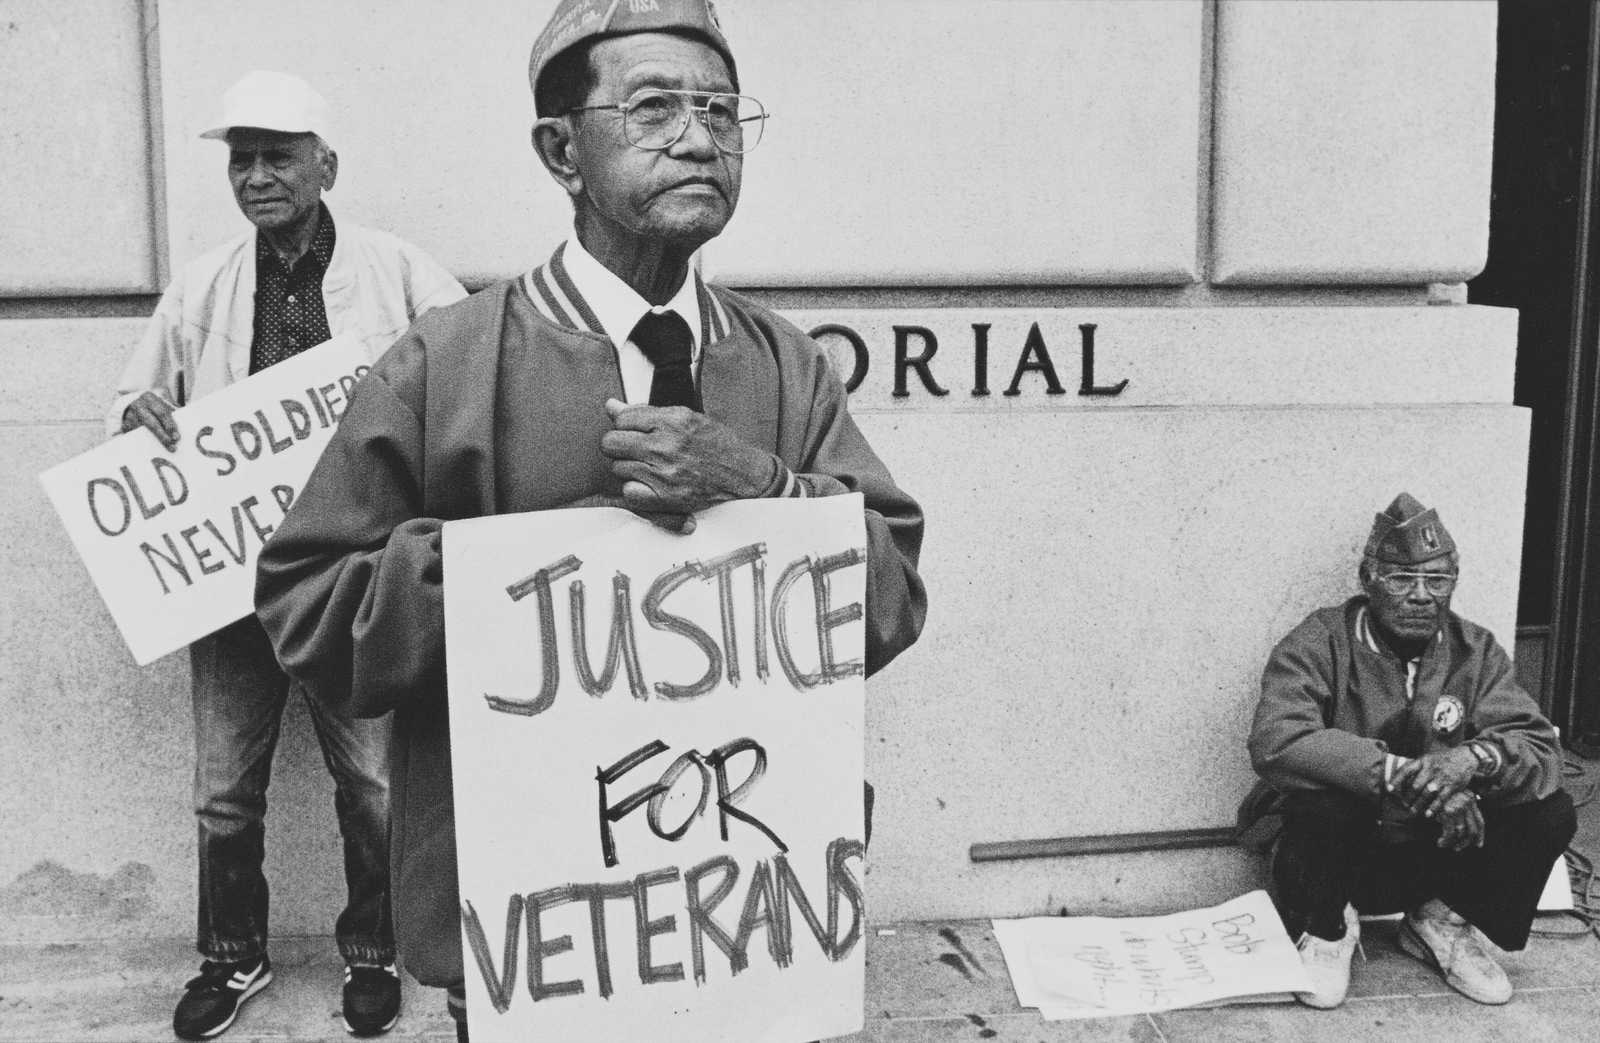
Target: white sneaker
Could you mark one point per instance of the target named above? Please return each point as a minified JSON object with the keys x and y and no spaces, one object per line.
{"x":1450,"y":945}
{"x":1327,"y":964}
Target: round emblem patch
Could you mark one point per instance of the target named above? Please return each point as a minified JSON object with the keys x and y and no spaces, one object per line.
{"x":1447,"y":714}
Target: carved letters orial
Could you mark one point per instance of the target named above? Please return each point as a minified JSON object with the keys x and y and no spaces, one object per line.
{"x":909,"y":359}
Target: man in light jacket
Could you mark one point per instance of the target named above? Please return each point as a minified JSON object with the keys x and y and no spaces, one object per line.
{"x":290,"y":284}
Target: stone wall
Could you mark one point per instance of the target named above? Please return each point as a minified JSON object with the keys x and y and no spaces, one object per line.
{"x":1262,"y":210}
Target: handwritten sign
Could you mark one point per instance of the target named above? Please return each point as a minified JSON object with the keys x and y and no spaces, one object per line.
{"x":657,"y":754}
{"x":171,"y":539}
{"x":1099,"y":966}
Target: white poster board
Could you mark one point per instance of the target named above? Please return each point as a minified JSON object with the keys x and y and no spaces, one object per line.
{"x":171,"y":539}
{"x":1557,"y":894}
{"x":1104,"y":966}
{"x":659,"y":822}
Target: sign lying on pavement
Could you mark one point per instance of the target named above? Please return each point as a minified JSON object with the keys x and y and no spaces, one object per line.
{"x":1102,"y":966}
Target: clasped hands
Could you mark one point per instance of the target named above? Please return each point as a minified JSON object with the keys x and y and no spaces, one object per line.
{"x":1435,"y":786}
{"x":674,"y":462}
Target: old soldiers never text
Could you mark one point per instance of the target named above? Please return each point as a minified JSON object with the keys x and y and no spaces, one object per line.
{"x":171,"y":539}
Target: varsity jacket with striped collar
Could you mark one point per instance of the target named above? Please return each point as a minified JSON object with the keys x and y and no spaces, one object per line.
{"x":553,"y":292}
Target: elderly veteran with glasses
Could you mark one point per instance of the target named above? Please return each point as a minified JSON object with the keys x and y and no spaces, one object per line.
{"x":608,"y":374}
{"x":1407,"y":771}
{"x":289,"y":283}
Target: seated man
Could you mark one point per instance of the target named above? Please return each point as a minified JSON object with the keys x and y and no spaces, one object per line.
{"x":1410,"y":771}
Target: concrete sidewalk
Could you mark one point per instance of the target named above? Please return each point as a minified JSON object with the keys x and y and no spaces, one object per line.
{"x":930,"y":982}
{"x":935,"y":982}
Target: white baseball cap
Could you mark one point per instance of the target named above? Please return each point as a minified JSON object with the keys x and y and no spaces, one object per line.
{"x":272,"y":101}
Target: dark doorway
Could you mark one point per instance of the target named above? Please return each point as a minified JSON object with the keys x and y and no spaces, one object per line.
{"x":1543,"y":158}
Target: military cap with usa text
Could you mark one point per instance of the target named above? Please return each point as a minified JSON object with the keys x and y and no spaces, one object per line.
{"x":575,"y":21}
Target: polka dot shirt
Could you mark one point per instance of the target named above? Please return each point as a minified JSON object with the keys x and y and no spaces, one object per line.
{"x":290,"y":315}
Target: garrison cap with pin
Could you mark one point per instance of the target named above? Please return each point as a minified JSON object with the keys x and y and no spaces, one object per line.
{"x":1407,"y":533}
{"x":577,"y":20}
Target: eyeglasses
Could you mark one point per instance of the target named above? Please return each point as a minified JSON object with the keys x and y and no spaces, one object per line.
{"x":655,"y":118}
{"x":1398,"y":584}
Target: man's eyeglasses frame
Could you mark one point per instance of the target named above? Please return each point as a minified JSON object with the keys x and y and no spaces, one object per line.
{"x":687,"y":109}
{"x":1399,"y":584}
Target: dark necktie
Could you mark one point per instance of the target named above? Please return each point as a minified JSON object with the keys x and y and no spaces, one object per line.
{"x":665,"y":340}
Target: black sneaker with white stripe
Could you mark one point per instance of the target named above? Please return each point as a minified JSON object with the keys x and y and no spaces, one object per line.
{"x":211,"y":999}
{"x":371,"y":999}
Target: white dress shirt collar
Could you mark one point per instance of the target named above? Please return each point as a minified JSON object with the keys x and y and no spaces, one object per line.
{"x":617,"y":305}
{"x":619,"y":308}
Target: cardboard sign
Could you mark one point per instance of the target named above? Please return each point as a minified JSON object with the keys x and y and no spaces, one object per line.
{"x":171,"y":539}
{"x":1101,"y":966}
{"x":657,"y":751}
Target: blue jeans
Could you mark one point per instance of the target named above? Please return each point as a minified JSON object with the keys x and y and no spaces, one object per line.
{"x":239,"y":697}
